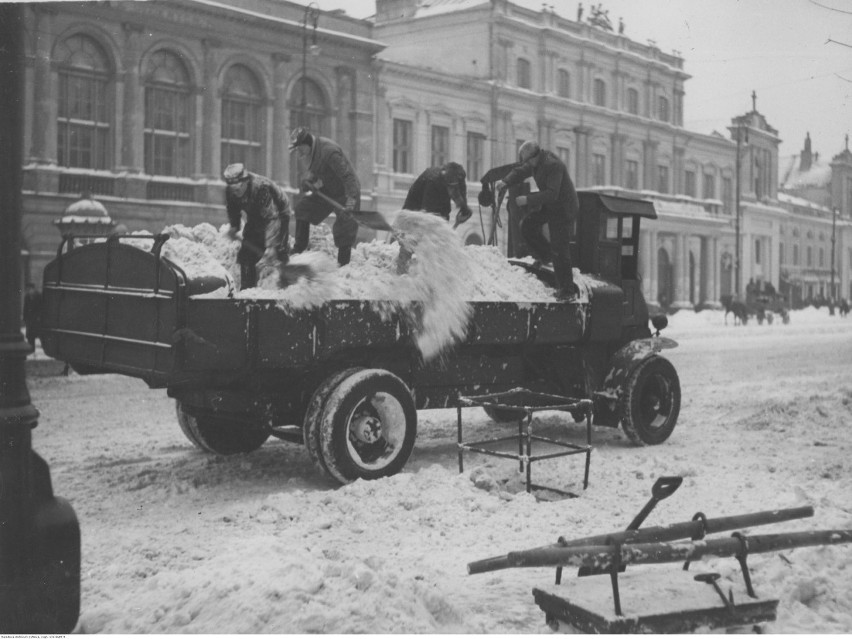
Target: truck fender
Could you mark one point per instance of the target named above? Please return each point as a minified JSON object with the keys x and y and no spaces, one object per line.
{"x":622,"y":364}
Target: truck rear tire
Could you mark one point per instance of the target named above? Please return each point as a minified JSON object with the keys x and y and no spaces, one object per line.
{"x":651,"y":402}
{"x":220,"y":435}
{"x":367,"y":426}
{"x":311,"y":425}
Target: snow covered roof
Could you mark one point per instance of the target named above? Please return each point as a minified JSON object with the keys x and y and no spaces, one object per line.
{"x":435,"y":7}
{"x":819,"y":173}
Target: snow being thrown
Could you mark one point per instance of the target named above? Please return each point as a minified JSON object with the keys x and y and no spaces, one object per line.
{"x":434,"y":295}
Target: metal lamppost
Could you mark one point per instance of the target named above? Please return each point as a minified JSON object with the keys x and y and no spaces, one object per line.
{"x":833,"y":242}
{"x":311,"y":17}
{"x":738,"y":197}
{"x":39,"y":533}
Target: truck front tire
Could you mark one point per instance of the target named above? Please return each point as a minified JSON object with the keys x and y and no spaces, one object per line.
{"x":651,"y":402}
{"x":220,"y":435}
{"x":366,"y":425}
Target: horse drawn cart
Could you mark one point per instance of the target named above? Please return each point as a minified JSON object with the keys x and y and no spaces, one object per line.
{"x":345,"y":378}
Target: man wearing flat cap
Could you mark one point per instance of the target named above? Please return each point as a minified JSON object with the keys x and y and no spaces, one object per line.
{"x":267,"y":230}
{"x":328,"y":172}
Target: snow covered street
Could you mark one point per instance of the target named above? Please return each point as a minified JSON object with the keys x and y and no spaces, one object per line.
{"x":177,"y":541}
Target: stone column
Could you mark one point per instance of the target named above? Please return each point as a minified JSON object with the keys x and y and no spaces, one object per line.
{"x":133,"y":109}
{"x":681,"y":272}
{"x":280,"y":133}
{"x":582,"y":134}
{"x":653,"y":268}
{"x":43,"y":147}
{"x":211,"y":113}
{"x":645,"y":262}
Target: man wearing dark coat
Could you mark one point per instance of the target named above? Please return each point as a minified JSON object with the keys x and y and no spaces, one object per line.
{"x":436,"y":189}
{"x":555,"y":204}
{"x":267,"y":229}
{"x":328,"y":172}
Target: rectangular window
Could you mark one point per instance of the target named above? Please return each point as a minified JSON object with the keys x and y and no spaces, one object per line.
{"x":821,"y":257}
{"x":632,"y":174}
{"x":475,"y":156}
{"x":663,"y":113}
{"x":795,"y":254}
{"x":757,"y":245}
{"x":810,"y":256}
{"x":728,"y":195}
{"x":564,"y":88}
{"x":402,"y":146}
{"x":600,"y":92}
{"x":689,"y":183}
{"x":599,"y":171}
{"x":633,"y":101}
{"x":709,"y":186}
{"x":781,"y":256}
{"x":440,"y":145}
{"x":663,"y":179}
{"x":524,"y":74}
{"x":564,"y":154}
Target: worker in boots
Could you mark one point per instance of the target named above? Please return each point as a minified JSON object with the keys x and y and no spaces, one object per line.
{"x":329,"y":173}
{"x":555,"y":204}
{"x":267,"y":229}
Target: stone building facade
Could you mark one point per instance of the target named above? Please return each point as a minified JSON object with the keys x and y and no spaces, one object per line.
{"x":143,"y":104}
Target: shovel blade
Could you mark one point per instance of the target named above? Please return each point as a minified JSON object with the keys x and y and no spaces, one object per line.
{"x":373,"y":220}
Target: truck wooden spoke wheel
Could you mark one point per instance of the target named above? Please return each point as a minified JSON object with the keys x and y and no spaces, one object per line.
{"x":651,"y":402}
{"x":366,"y":426}
{"x":218,"y":434}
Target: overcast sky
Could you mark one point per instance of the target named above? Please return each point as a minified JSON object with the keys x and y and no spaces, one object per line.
{"x":796,"y":54}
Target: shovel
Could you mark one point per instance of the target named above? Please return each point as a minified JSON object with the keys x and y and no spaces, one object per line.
{"x":287,"y":273}
{"x":371,"y":219}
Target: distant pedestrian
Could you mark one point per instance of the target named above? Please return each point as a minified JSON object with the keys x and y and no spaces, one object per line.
{"x":32,"y":313}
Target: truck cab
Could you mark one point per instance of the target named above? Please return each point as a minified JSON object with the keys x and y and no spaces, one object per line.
{"x":607,"y":245}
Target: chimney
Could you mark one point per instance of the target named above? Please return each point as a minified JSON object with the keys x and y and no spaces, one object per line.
{"x":807,"y":156}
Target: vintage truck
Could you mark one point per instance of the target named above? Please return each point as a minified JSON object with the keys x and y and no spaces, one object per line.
{"x":346,"y":379}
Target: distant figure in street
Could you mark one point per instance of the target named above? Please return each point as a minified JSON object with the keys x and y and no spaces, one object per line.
{"x":267,"y":229}
{"x":32,"y":313}
{"x":330,"y":173}
{"x":844,"y":307}
{"x":557,"y":199}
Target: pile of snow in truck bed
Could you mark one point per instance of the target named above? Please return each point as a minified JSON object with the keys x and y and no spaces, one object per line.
{"x":444,"y":276}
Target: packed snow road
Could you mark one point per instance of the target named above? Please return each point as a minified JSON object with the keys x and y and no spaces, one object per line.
{"x":178,"y":541}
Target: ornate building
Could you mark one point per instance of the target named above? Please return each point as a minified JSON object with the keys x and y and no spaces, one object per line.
{"x":143,"y":104}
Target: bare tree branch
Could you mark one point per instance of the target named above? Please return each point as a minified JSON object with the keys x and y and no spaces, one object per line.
{"x":829,"y":8}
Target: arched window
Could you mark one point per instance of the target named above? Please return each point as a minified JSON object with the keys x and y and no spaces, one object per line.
{"x":600,"y":92}
{"x":311,"y":112}
{"x":84,"y":109}
{"x":563,"y":87}
{"x":242,"y":119}
{"x":168,"y":116}
{"x":524,"y":74}
{"x":633,"y":101}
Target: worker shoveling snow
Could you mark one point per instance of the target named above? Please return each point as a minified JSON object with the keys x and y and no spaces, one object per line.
{"x":434,"y":295}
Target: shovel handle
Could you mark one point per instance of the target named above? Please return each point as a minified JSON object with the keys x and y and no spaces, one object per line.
{"x":337,"y":205}
{"x":663,"y":487}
